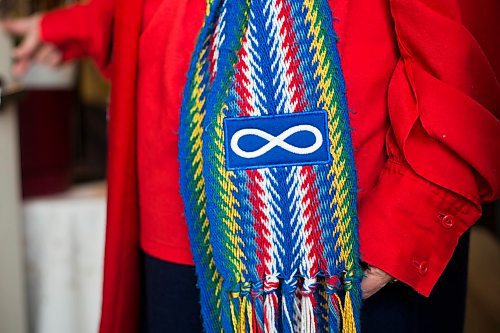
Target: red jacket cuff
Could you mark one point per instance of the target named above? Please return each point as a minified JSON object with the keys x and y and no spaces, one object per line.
{"x":54,"y":30}
{"x":410,"y":227}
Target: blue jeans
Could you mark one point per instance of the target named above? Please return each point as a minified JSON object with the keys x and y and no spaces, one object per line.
{"x":171,"y":301}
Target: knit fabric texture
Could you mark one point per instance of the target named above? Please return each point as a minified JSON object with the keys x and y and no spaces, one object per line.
{"x":275,"y":247}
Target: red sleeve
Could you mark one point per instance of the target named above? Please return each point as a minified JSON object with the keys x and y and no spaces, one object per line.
{"x":81,"y":30}
{"x":443,"y":146}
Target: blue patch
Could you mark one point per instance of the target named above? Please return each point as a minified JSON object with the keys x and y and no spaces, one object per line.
{"x":278,"y":140}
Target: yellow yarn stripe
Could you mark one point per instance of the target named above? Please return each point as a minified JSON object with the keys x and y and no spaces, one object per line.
{"x":243,"y":307}
{"x":336,"y":149}
{"x":348,"y":323}
{"x":249,"y":314}
{"x":198,"y":111}
{"x":231,"y":215}
{"x":234,"y":317}
{"x":209,"y":5}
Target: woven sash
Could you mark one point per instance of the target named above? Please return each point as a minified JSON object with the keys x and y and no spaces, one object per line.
{"x":267,"y":171}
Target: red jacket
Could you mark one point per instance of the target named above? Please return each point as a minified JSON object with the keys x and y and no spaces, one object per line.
{"x":425,"y":104}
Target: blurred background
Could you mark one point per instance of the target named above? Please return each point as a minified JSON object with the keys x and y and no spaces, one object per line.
{"x":52,"y":199}
{"x":52,"y":191}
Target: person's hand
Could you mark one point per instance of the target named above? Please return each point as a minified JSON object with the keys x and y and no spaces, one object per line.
{"x":374,"y":280}
{"x":31,"y":47}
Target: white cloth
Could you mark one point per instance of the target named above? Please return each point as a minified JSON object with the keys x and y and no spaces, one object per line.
{"x":65,"y":245}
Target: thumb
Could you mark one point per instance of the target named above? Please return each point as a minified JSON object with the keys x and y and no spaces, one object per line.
{"x":26,"y":27}
{"x":18,"y":27}
{"x":27,"y":46}
{"x":374,"y":280}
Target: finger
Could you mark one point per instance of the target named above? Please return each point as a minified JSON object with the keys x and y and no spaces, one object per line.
{"x":49,"y":55}
{"x":27,"y":47}
{"x":54,"y":59}
{"x":18,"y":27}
{"x":370,"y":286}
{"x":20,"y":67}
{"x":43,"y":53}
{"x":372,"y":283}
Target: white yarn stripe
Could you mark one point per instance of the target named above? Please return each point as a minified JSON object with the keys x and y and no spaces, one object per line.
{"x":272,"y":210}
{"x":285,"y":90}
{"x":270,"y":305}
{"x":289,"y":312}
{"x":296,"y":312}
{"x":307,"y":320}
{"x":254,"y":72}
{"x":219,"y":38}
{"x":299,"y":220}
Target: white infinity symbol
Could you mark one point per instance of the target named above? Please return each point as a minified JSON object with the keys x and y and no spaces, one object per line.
{"x":274,"y":141}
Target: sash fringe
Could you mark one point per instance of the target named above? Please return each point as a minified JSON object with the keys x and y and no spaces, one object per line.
{"x":273,"y":306}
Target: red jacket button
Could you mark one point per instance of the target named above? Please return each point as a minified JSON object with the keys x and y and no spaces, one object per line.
{"x":446,"y":220}
{"x":423,"y":267}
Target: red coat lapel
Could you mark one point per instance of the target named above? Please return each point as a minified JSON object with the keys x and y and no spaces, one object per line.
{"x":121,"y":296}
